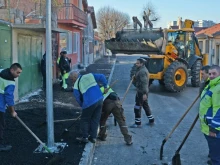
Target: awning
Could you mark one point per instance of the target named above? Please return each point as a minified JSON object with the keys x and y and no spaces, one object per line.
{"x":36,"y":27}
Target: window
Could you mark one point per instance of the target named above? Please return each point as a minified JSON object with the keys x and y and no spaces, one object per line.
{"x":207,"y":46}
{"x":201,"y":45}
{"x":190,"y":43}
{"x":66,"y":42}
{"x":75,"y":42}
{"x":91,"y":47}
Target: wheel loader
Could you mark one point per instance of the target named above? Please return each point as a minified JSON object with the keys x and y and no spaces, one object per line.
{"x":172,"y":55}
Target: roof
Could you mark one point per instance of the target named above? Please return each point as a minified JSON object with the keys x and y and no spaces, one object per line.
{"x":92,"y":11}
{"x":210,"y":31}
{"x":197,"y":29}
{"x":174,"y":27}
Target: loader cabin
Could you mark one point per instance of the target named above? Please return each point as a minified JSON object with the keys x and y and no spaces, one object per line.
{"x":184,"y":41}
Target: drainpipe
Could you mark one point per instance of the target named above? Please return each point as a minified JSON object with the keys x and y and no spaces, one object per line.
{"x":88,"y":38}
{"x":9,"y":14}
{"x":83,"y":48}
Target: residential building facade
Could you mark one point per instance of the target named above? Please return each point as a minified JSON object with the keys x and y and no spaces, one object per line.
{"x":88,"y":38}
{"x":23,"y":33}
{"x":204,"y":23}
{"x":73,"y":19}
{"x":197,"y":23}
{"x":99,"y":46}
{"x":209,"y":42}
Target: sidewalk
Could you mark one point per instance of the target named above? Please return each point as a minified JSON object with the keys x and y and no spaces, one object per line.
{"x":97,"y":67}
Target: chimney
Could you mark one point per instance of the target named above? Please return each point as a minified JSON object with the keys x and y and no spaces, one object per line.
{"x":179,"y":22}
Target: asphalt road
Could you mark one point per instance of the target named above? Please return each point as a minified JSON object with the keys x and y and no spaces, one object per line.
{"x":167,"y":108}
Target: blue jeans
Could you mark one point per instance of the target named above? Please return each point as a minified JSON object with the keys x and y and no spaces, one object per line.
{"x":214,"y":149}
{"x":90,"y":120}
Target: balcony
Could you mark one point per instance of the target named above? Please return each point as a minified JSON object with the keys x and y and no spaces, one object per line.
{"x":69,"y":13}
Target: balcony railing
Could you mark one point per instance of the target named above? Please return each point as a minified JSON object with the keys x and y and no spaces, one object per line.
{"x":71,"y":12}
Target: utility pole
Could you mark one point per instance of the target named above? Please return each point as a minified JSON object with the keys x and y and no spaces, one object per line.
{"x":49,"y":89}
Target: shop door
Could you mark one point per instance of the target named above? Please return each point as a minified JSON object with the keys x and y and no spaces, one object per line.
{"x":36,"y":55}
{"x":29,"y":56}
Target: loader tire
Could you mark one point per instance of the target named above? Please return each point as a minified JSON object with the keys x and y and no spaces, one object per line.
{"x":195,"y":73}
{"x":175,"y":77}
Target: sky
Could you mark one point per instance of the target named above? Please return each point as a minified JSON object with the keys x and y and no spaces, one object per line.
{"x":168,"y":10}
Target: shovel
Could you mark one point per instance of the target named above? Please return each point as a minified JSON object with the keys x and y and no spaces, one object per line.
{"x":54,"y":158}
{"x":57,"y":121}
{"x":176,"y":158}
{"x":66,"y":130}
{"x":165,"y":140}
{"x":127,"y":90}
{"x":115,"y":122}
{"x":46,"y":148}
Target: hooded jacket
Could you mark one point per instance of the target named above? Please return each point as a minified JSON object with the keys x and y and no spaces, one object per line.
{"x":64,"y":65}
{"x":7,"y":86}
{"x":209,"y":109}
{"x":89,"y":89}
{"x":142,"y":80}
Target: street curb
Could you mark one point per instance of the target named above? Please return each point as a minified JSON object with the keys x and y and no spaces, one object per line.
{"x":89,"y":149}
{"x":87,"y":154}
{"x":110,"y":76}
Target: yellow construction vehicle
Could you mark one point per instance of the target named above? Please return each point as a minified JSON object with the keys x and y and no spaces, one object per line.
{"x":172,"y":55}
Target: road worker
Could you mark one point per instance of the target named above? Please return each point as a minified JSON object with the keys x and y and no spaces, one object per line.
{"x":113,"y":105}
{"x":142,"y":86}
{"x":64,"y":65}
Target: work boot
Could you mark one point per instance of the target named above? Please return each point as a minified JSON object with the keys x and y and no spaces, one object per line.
{"x":129,"y":140}
{"x":68,"y":90}
{"x":102,"y":137}
{"x":92,"y":140}
{"x":5,"y":147}
{"x":151,"y":122}
{"x":82,"y":139}
{"x":135,"y":126}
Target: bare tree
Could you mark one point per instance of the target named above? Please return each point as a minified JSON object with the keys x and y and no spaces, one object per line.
{"x":110,"y":21}
{"x":149,"y":10}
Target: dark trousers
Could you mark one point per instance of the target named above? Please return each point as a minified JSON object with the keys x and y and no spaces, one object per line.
{"x":214,"y":146}
{"x":2,"y":126}
{"x":114,"y":107}
{"x":90,"y":120}
{"x":139,"y":102}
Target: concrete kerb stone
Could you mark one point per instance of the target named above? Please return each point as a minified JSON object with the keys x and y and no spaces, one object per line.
{"x":87,"y":154}
{"x":89,"y":149}
{"x":110,"y":76}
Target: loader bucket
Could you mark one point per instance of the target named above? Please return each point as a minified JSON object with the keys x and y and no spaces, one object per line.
{"x":131,"y":41}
